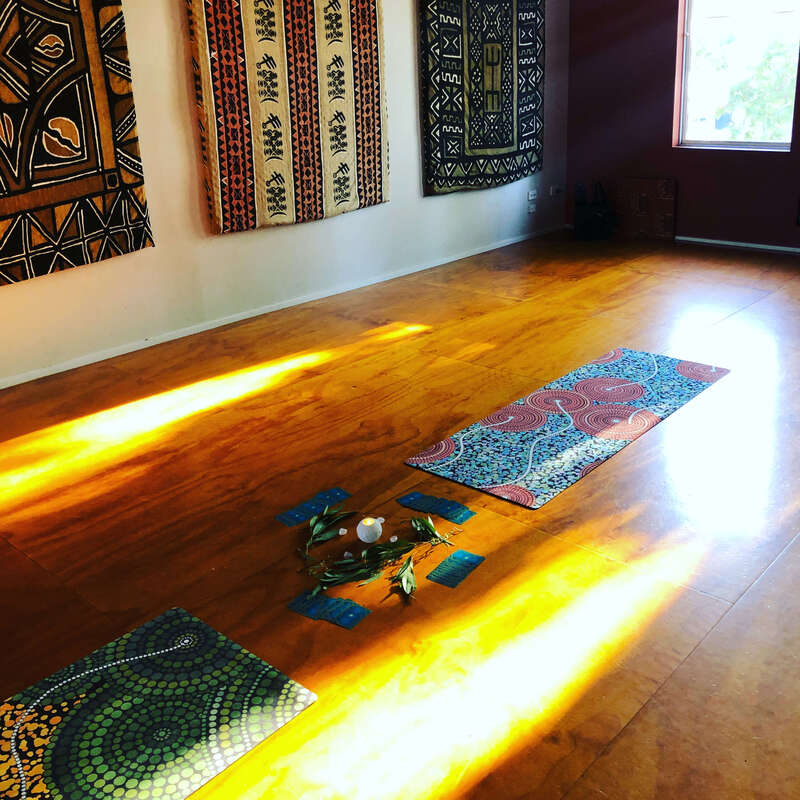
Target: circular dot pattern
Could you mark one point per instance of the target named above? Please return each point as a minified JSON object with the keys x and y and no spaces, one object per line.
{"x":609,"y":358}
{"x":515,"y":418}
{"x":609,"y":390}
{"x":700,"y":372}
{"x":613,"y":421}
{"x":591,"y":467}
{"x":436,"y":452}
{"x":556,"y":401}
{"x":514,"y":493}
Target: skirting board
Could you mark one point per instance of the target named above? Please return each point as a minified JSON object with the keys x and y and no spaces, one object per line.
{"x":774,"y":248}
{"x":150,"y":341}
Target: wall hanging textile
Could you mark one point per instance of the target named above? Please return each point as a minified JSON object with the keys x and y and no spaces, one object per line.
{"x":155,"y":714}
{"x":533,"y":449}
{"x":291,"y":107}
{"x":71,"y":181}
{"x":482,"y":76}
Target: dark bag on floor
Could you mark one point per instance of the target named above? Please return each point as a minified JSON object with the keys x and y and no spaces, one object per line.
{"x":595,"y":220}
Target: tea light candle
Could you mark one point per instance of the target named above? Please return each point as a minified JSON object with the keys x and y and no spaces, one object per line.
{"x":369,"y":529}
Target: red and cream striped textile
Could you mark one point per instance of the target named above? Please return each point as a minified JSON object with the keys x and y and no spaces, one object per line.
{"x":292,"y":108}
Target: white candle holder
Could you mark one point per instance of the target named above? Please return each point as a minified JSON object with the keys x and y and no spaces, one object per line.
{"x":369,"y":530}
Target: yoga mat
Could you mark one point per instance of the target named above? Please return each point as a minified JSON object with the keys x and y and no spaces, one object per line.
{"x":533,"y":449}
{"x":173,"y":703}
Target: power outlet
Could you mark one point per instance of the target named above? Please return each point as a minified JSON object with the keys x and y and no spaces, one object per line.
{"x":531,"y":208}
{"x":533,"y":194}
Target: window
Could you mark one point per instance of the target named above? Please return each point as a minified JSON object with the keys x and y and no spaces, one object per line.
{"x":738,"y":73}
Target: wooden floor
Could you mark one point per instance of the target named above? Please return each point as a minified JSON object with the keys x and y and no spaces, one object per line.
{"x":636,"y":638}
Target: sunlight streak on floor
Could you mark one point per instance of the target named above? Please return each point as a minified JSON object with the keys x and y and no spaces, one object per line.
{"x":726,"y":492}
{"x":397,"y":331}
{"x":423,"y":725}
{"x":38,"y":459}
{"x":70,"y":452}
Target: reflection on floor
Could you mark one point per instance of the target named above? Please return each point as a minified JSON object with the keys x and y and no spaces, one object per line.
{"x":632,"y":639}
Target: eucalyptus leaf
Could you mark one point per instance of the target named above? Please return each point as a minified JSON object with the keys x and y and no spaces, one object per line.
{"x":387,"y":552}
{"x":324,"y":526}
{"x":426,"y":532}
{"x":365,"y":569}
{"x":405,"y":579}
{"x":372,"y":579}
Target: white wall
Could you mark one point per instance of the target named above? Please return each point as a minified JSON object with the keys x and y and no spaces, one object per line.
{"x":192,"y":280}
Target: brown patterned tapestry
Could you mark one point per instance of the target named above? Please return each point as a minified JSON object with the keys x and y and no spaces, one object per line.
{"x":292,"y":109}
{"x":482,"y":75}
{"x":71,"y":182}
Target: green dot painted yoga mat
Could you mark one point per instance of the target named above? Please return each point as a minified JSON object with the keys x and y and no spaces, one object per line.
{"x":155,"y":714}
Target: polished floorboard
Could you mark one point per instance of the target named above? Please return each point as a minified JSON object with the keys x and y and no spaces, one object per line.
{"x":637,"y":638}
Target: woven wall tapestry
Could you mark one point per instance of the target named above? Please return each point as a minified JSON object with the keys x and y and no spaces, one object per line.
{"x":71,"y":181}
{"x":482,"y":76}
{"x":292,"y":109}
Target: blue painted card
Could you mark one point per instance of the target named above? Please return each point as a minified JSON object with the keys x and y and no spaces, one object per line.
{"x":316,"y":505}
{"x":452,"y":571}
{"x":341,"y":612}
{"x":447,"y":509}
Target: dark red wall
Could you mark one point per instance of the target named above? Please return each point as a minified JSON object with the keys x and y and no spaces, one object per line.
{"x":621,"y":100}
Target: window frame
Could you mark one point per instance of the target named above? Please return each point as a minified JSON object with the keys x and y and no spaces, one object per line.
{"x":681,"y":95}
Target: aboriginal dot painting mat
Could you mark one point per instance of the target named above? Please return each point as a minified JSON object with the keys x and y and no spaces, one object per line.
{"x":155,"y":714}
{"x":535,"y":448}
{"x":290,"y":95}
